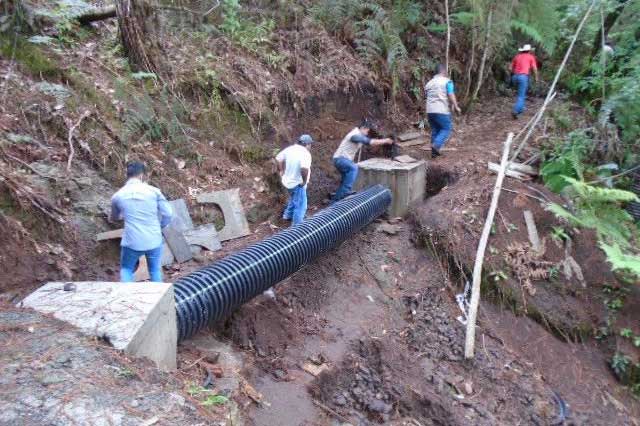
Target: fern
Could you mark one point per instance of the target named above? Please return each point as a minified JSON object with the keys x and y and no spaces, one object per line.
{"x":463,"y":18}
{"x":621,"y":261}
{"x":597,"y":194}
{"x":533,"y":34}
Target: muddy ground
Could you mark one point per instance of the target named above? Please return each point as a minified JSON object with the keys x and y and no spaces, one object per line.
{"x":377,"y":317}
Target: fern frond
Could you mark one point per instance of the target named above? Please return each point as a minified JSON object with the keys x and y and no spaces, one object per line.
{"x":597,"y":194}
{"x":621,"y":261}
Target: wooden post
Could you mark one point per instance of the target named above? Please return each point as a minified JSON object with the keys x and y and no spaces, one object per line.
{"x":446,"y":11}
{"x":469,"y":344}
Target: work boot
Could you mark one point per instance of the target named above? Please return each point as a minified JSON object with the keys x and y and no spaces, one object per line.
{"x":435,"y":153}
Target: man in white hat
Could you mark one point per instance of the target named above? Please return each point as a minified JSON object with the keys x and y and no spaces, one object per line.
{"x":521,"y":66}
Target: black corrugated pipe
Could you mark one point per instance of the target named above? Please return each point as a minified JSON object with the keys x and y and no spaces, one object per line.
{"x":211,"y":293}
{"x":634,"y":207}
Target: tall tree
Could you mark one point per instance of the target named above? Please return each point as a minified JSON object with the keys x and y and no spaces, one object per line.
{"x":609,"y":21}
{"x":135,"y":21}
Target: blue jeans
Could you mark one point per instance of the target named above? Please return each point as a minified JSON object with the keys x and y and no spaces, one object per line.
{"x":522,"y":83}
{"x":349,"y":172}
{"x":129,"y":259}
{"x":297,"y":205}
{"x":440,"y":129}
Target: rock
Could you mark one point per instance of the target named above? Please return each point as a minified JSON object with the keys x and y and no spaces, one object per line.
{"x":388,"y":228}
{"x":31,"y":401}
{"x":176,"y":399}
{"x":212,"y":358}
{"x":340,"y":401}
{"x":63,"y":359}
{"x":379,"y":406}
{"x":468,"y":388}
{"x":279,"y":374}
{"x":52,"y":379}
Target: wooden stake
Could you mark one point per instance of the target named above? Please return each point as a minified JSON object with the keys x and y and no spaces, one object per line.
{"x":532,"y":230}
{"x":446,"y":11}
{"x":469,"y":344}
{"x":552,"y":89}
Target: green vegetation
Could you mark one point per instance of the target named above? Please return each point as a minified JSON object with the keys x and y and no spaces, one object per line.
{"x":29,"y":56}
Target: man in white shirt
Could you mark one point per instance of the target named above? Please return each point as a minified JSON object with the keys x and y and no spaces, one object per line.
{"x":294,"y":166}
{"x":343,"y":158}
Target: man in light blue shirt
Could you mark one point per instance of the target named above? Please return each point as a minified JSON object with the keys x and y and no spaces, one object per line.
{"x":145,"y":212}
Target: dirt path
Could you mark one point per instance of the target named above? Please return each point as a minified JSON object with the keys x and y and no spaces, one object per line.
{"x":378,"y":317}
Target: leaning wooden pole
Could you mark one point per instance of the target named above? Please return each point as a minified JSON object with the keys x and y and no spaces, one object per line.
{"x":469,"y":345}
{"x":446,"y":11}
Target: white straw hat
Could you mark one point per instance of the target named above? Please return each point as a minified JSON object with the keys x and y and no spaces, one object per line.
{"x":525,"y":48}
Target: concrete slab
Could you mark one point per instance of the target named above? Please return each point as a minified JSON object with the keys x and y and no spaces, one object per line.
{"x":407,"y":181}
{"x":138,"y":318}
{"x":235,"y":222}
{"x":174,"y":236}
{"x":204,"y":236}
{"x":181,"y":215}
{"x":167,"y":255}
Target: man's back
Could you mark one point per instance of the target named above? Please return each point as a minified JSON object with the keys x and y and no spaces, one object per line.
{"x":523,"y":63}
{"x":436,"y":93}
{"x":295,"y":157}
{"x":141,"y":206}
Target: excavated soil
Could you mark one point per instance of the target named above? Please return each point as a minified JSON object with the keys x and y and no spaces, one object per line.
{"x":369,"y":334}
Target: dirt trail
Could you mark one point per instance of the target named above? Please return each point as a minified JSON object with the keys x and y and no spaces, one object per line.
{"x":378,"y":314}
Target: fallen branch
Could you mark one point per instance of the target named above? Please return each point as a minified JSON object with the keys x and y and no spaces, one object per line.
{"x":72,"y":129}
{"x":330,"y":411}
{"x":469,"y":345}
{"x":552,"y":89}
{"x":97,"y":15}
{"x":526,"y":195}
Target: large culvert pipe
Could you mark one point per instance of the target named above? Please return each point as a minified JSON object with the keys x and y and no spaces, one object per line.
{"x":213,"y":292}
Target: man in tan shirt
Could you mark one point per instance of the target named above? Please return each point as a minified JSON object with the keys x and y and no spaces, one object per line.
{"x":344,"y":156}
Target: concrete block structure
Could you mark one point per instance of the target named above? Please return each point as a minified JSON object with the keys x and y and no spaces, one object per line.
{"x":138,"y":318}
{"x":407,"y":181}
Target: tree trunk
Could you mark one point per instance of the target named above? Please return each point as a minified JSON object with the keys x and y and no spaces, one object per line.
{"x":472,"y":60}
{"x":609,"y":22}
{"x":97,"y":15}
{"x":485,"y":54}
{"x":138,"y":41}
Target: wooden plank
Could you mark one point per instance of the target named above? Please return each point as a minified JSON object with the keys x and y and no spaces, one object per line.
{"x":110,"y":235}
{"x":409,"y":136}
{"x":414,"y":142}
{"x":534,"y":239}
{"x":495,"y":168}
{"x":177,"y":242}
